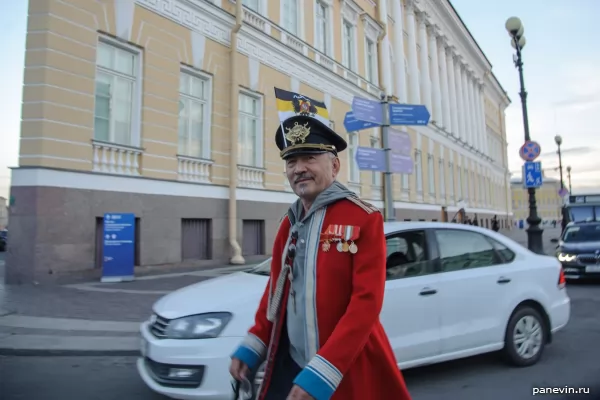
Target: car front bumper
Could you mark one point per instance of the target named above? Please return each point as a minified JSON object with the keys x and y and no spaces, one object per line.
{"x":574,"y":271}
{"x":187,"y":369}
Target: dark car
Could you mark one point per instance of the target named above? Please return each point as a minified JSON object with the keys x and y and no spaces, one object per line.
{"x":579,"y":250}
{"x":3,"y":239}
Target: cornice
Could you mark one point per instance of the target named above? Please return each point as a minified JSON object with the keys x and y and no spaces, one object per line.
{"x":350,"y":10}
{"x":372,"y":28}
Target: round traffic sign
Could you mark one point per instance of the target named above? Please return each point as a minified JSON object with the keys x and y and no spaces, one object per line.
{"x":530,"y":150}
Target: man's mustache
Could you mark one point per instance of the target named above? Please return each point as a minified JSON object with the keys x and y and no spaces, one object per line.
{"x":302,"y":177}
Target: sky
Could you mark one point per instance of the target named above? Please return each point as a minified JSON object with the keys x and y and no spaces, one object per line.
{"x":561,"y":60}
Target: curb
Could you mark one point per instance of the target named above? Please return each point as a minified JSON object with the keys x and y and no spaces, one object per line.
{"x":53,"y":346}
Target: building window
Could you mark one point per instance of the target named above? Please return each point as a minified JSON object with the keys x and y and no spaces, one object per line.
{"x":290,"y":16}
{"x":250,"y":130}
{"x":371,"y":61}
{"x":442,"y":175}
{"x":431,"y":174}
{"x":321,"y":25}
{"x":194,"y":115}
{"x":116,"y":98}
{"x":251,"y":4}
{"x":419,"y":171}
{"x":348,"y":45}
{"x":354,"y":173}
{"x":405,"y":183}
{"x":376,"y":175}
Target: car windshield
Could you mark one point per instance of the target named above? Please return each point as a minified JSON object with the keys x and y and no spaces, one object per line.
{"x":584,"y":233}
{"x":264,"y":268}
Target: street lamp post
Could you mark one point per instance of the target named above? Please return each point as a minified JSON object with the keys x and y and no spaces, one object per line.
{"x":534,"y":232}
{"x":563,"y":214}
{"x":569,"y":178}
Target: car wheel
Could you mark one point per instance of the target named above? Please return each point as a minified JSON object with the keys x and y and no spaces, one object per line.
{"x":525,"y":337}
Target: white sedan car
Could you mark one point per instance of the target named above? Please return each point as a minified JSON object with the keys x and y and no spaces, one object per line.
{"x":452,"y":291}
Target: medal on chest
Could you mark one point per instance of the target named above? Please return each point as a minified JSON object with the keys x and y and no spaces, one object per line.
{"x":344,"y":237}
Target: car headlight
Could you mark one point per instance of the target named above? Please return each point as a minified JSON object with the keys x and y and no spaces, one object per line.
{"x":201,"y":326}
{"x":564,"y":257}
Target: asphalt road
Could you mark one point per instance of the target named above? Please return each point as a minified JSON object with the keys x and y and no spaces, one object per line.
{"x":572,"y":360}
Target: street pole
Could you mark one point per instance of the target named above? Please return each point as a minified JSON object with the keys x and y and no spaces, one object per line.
{"x":534,"y":232}
{"x":389,"y":211}
{"x":563,"y":213}
{"x":569,"y":178}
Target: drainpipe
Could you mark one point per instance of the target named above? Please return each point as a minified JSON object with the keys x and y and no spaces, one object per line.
{"x":237,"y":258}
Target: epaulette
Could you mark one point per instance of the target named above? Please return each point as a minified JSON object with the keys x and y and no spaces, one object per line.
{"x":368,"y":207}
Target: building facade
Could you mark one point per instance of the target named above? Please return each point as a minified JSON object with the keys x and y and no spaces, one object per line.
{"x":549,"y":203}
{"x":166,"y":108}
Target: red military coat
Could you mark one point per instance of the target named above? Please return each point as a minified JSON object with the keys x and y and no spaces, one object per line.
{"x":352,"y":357}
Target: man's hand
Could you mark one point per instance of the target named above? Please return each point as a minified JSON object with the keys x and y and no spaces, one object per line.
{"x":297,"y":393}
{"x":238,"y":369}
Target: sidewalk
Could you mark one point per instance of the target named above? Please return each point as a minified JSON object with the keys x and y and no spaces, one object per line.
{"x":94,"y":318}
{"x":90,"y":318}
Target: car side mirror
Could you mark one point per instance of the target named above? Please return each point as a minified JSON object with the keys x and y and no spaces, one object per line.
{"x":554,"y":240}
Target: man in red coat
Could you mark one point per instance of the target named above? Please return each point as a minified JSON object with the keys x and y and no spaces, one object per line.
{"x":317,"y":325}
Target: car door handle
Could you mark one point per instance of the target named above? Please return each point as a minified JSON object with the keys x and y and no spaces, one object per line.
{"x":503,"y":280}
{"x":427,"y":292}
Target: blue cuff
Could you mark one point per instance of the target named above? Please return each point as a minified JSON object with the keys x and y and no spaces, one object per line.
{"x":319,"y":378}
{"x":251,"y":352}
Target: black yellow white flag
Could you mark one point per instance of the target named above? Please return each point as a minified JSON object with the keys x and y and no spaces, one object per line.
{"x":290,"y":104}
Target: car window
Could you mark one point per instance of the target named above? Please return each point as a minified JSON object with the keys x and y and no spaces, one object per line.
{"x":406,"y":255}
{"x":464,"y":250}
{"x":583,"y":233}
{"x":505,"y":253}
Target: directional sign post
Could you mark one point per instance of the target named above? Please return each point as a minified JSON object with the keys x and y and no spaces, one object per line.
{"x":370,"y":159}
{"x":532,"y":175}
{"x":354,"y":125}
{"x":401,"y":148}
{"x":408,"y":114}
{"x":395,"y":157}
{"x":368,"y":110}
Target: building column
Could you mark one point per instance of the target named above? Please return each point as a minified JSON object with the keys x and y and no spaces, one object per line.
{"x":399,"y":67}
{"x":476,"y":124}
{"x":446,"y":101}
{"x":472,"y":114}
{"x":467,"y":102}
{"x":385,"y":50}
{"x":482,"y":123}
{"x":438,"y":116}
{"x":413,"y":63}
{"x":460,"y":94}
{"x":424,"y":58}
{"x":453,"y":99}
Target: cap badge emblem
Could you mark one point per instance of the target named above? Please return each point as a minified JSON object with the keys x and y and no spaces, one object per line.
{"x":297,"y":133}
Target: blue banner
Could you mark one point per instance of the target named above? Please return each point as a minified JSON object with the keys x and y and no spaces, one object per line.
{"x":119,"y":247}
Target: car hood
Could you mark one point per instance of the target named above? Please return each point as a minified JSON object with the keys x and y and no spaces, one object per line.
{"x":580,"y":247}
{"x":225,"y":293}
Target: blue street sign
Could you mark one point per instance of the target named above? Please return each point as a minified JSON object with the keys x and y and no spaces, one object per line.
{"x":370,"y":159}
{"x":119,"y":247}
{"x":367,"y":110}
{"x":401,"y":164}
{"x":530,"y":150}
{"x":408,"y":114}
{"x":532,"y":175}
{"x":354,"y":125}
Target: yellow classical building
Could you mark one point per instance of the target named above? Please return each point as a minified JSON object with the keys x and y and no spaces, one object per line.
{"x":548,"y":201}
{"x":166,"y":109}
